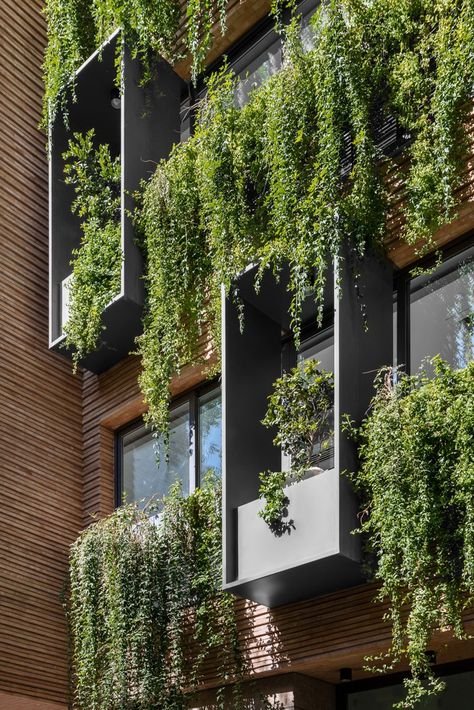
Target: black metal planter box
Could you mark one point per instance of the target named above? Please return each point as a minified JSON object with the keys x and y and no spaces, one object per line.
{"x":320,"y":555}
{"x":141,"y":128}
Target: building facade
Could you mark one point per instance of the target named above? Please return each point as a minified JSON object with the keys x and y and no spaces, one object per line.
{"x":73,"y":444}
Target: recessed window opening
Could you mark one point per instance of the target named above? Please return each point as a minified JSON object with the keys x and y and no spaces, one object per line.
{"x":458,"y":694}
{"x":315,"y":345}
{"x":320,"y":347}
{"x":254,"y":60}
{"x":145,"y":469}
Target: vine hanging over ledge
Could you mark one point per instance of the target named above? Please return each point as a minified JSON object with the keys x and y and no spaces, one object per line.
{"x":97,"y":263}
{"x":416,"y":481}
{"x":77,"y":28}
{"x":146,"y":611}
{"x":265,"y":183}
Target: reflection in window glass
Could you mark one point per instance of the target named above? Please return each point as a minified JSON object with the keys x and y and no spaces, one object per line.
{"x":146,"y":471}
{"x":321,"y":348}
{"x":257,"y":72}
{"x":442,"y":313}
{"x":268,"y":61}
{"x":210,"y":433}
{"x":458,"y":695}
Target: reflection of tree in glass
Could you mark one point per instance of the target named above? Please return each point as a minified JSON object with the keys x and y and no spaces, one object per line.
{"x":210,"y":446}
{"x":463,"y":312}
{"x":448,"y":298}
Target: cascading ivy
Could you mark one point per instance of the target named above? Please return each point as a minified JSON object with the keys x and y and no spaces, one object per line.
{"x":97,"y":263}
{"x":416,"y":479}
{"x":76,"y":28}
{"x":145,"y":608}
{"x":267,"y":183}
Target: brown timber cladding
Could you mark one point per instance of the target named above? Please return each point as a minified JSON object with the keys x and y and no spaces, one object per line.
{"x":45,"y":498}
{"x":40,"y":400}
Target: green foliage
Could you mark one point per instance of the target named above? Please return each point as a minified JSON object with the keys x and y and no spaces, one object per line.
{"x":76,"y":28}
{"x":416,"y":480}
{"x":146,"y":611}
{"x":264,"y":184}
{"x":300,"y":408}
{"x":275,"y":511}
{"x":95,"y":176}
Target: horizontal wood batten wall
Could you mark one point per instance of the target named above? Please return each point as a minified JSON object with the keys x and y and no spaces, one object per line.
{"x":40,"y":400}
{"x":41,"y":436}
{"x":8,"y":701}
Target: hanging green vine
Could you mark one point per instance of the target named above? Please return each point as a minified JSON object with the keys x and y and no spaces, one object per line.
{"x":300,"y":408}
{"x":266,"y":183}
{"x":145,"y":609}
{"x":97,"y":263}
{"x":416,"y":480}
{"x":76,"y":28}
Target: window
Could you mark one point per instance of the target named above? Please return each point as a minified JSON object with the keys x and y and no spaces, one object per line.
{"x":321,"y":347}
{"x":145,"y":470}
{"x":437,"y":314}
{"x":458,"y":694}
{"x":315,"y":345}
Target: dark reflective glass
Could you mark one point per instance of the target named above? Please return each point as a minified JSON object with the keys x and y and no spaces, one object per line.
{"x":442,"y":313}
{"x":210,"y":433}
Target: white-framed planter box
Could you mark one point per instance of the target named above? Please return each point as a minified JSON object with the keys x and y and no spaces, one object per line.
{"x":320,"y":555}
{"x":141,"y":131}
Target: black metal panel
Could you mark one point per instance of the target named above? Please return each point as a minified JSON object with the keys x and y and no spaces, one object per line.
{"x":142,"y":131}
{"x":312,"y":563}
{"x":300,"y":582}
{"x":251,"y":363}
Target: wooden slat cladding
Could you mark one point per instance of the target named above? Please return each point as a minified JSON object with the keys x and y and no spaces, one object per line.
{"x":242,"y":15}
{"x":403,"y":254}
{"x":40,"y":400}
{"x":55,"y":426}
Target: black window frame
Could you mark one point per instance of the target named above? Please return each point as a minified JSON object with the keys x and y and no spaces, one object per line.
{"x":191,"y":396}
{"x":343,"y":690}
{"x":402,"y":290}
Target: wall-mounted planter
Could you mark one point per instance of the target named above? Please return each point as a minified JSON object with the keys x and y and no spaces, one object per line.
{"x":320,"y":554}
{"x":141,"y":128}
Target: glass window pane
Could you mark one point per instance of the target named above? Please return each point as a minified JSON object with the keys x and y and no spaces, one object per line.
{"x":146,"y":472}
{"x":257,"y":71}
{"x":210,"y":433}
{"x":458,"y":694}
{"x":321,"y":347}
{"x":442,"y":313}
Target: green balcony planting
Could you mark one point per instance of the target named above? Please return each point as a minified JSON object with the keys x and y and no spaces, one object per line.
{"x":145,"y":608}
{"x":416,"y":481}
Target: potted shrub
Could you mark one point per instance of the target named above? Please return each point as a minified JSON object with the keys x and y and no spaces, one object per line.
{"x":301,"y":409}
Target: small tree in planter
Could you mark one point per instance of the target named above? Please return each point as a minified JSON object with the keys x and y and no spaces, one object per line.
{"x":300,"y":407}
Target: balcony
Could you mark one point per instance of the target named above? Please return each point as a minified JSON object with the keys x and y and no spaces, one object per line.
{"x":140,"y":126}
{"x":319,"y":554}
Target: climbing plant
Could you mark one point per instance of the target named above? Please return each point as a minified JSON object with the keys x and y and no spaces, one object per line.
{"x":96,"y":264}
{"x":416,"y":480}
{"x":146,"y":612}
{"x":300,"y":411}
{"x":296,"y":177}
